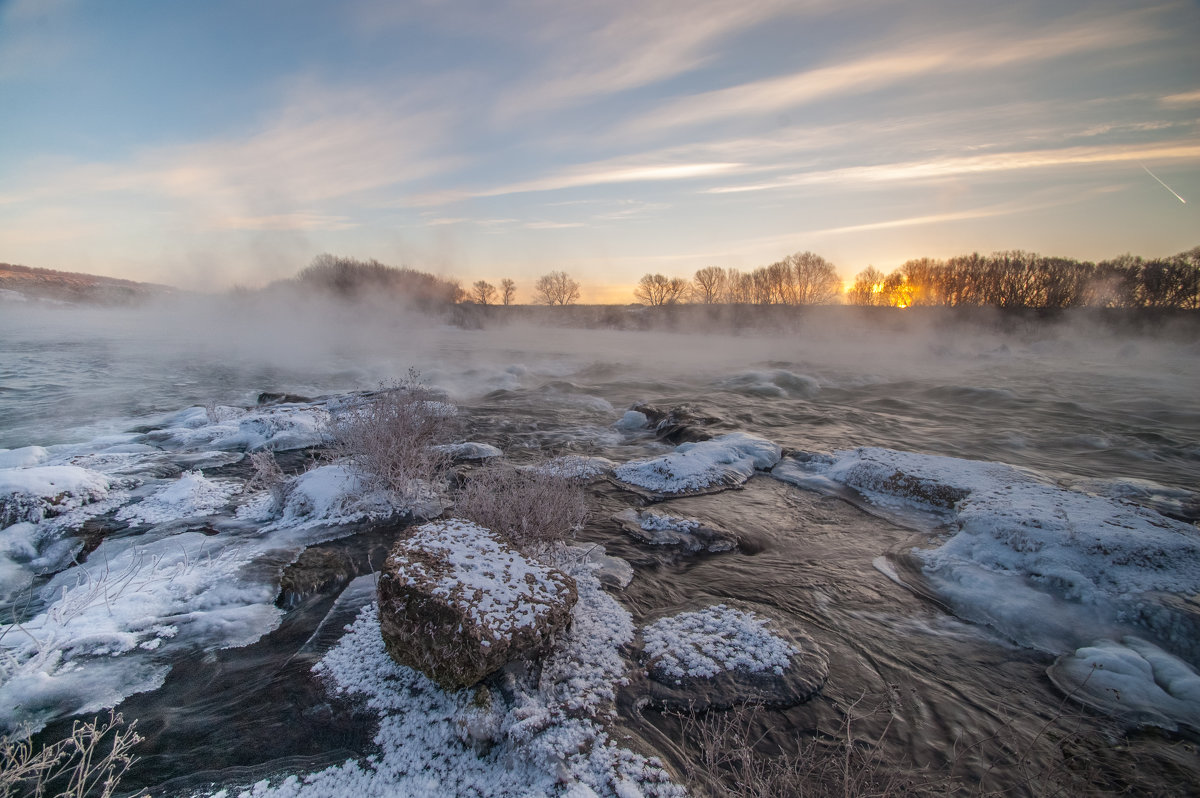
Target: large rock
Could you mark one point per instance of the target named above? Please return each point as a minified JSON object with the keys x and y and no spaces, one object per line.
{"x":457,"y":603}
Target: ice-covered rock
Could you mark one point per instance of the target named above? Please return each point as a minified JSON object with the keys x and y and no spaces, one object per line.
{"x":610,"y":570}
{"x":700,"y":467}
{"x":470,"y":450}
{"x":457,"y":603}
{"x":660,"y":529}
{"x":278,"y":428}
{"x":32,"y":494}
{"x":575,"y":467}
{"x":679,"y":424}
{"x":335,"y":494}
{"x":1133,"y":680}
{"x":722,"y":656}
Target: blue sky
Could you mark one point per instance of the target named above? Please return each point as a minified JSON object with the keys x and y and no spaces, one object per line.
{"x":204,"y":144}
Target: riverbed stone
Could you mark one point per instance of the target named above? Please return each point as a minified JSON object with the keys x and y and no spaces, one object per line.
{"x":458,"y":603}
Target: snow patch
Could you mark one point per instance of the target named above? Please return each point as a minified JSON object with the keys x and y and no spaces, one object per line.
{"x":189,"y":496}
{"x":701,"y":466}
{"x":713,"y":640}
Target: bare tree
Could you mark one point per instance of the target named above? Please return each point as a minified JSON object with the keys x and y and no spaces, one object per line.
{"x":483,"y":292}
{"x":867,"y":288}
{"x":508,"y":291}
{"x":557,"y":288}
{"x":710,"y":284}
{"x":814,"y":280}
{"x":658,"y":289}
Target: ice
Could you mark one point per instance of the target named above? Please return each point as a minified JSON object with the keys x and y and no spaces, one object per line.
{"x":190,"y":495}
{"x":1048,"y":567}
{"x":332,"y":495}
{"x":277,"y":428}
{"x":470,"y":450}
{"x":538,"y":738}
{"x":632,"y":420}
{"x":135,"y":604}
{"x":701,"y":466}
{"x":1133,"y":680}
{"x":712,"y":640}
{"x":661,"y":529}
{"x":24,"y":457}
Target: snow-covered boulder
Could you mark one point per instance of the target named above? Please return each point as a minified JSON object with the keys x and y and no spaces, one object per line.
{"x":722,"y":656}
{"x":457,"y":603}
{"x":575,"y":467}
{"x":700,"y":467}
{"x":469,"y":450}
{"x":660,"y":529}
{"x":31,"y":494}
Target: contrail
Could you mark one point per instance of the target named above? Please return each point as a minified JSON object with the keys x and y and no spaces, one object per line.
{"x":1164,"y":185}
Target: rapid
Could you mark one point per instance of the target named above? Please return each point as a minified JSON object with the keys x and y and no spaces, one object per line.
{"x":925,"y":669}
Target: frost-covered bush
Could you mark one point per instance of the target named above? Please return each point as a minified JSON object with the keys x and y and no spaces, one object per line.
{"x":533,"y":510}
{"x":270,"y":477}
{"x":91,"y":761}
{"x":392,"y":437}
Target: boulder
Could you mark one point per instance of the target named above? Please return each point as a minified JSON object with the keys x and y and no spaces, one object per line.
{"x":457,"y":603}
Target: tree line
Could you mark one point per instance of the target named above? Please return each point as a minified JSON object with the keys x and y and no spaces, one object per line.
{"x":801,"y":279}
{"x":1016,"y":279}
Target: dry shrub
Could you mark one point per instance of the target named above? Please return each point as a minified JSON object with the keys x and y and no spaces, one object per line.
{"x":269,"y":476}
{"x":391,"y":437}
{"x":533,"y":511}
{"x":731,"y":764}
{"x":89,"y":762}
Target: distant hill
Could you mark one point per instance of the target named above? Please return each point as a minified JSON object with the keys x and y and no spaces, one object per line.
{"x":75,"y":288}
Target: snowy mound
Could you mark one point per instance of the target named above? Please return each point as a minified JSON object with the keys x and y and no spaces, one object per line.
{"x":660,"y":529}
{"x":24,"y":457}
{"x":1133,"y":680}
{"x":544,"y":737}
{"x":189,"y":496}
{"x":715,"y":639}
{"x":701,"y":466}
{"x":721,"y":656}
{"x":34,"y":494}
{"x":330,"y":495}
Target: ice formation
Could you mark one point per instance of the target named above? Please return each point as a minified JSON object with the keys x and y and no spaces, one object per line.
{"x":702,"y":466}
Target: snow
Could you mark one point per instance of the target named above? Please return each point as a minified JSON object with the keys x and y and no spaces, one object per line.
{"x":330,"y":495}
{"x":32,"y":494}
{"x":278,"y":428}
{"x":724,"y":461}
{"x":1133,"y":680}
{"x":189,"y":496}
{"x":540,"y":738}
{"x":661,"y":529}
{"x":488,"y":581}
{"x":718,"y":638}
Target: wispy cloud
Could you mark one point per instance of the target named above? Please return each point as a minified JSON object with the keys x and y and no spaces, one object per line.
{"x":286,"y":221}
{"x":939,"y":168}
{"x":973,"y":51}
{"x":1186,"y":98}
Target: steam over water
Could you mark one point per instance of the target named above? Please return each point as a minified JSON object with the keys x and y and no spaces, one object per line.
{"x":1115,"y":414}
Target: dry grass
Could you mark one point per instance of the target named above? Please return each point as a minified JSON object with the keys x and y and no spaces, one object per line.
{"x":390,"y":437}
{"x":90,"y":762}
{"x":732,"y":762}
{"x":533,"y":511}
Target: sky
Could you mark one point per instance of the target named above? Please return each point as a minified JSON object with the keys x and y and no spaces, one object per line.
{"x":228,"y":142}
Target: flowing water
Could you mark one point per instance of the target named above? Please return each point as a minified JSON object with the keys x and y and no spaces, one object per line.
{"x":931,"y":689}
